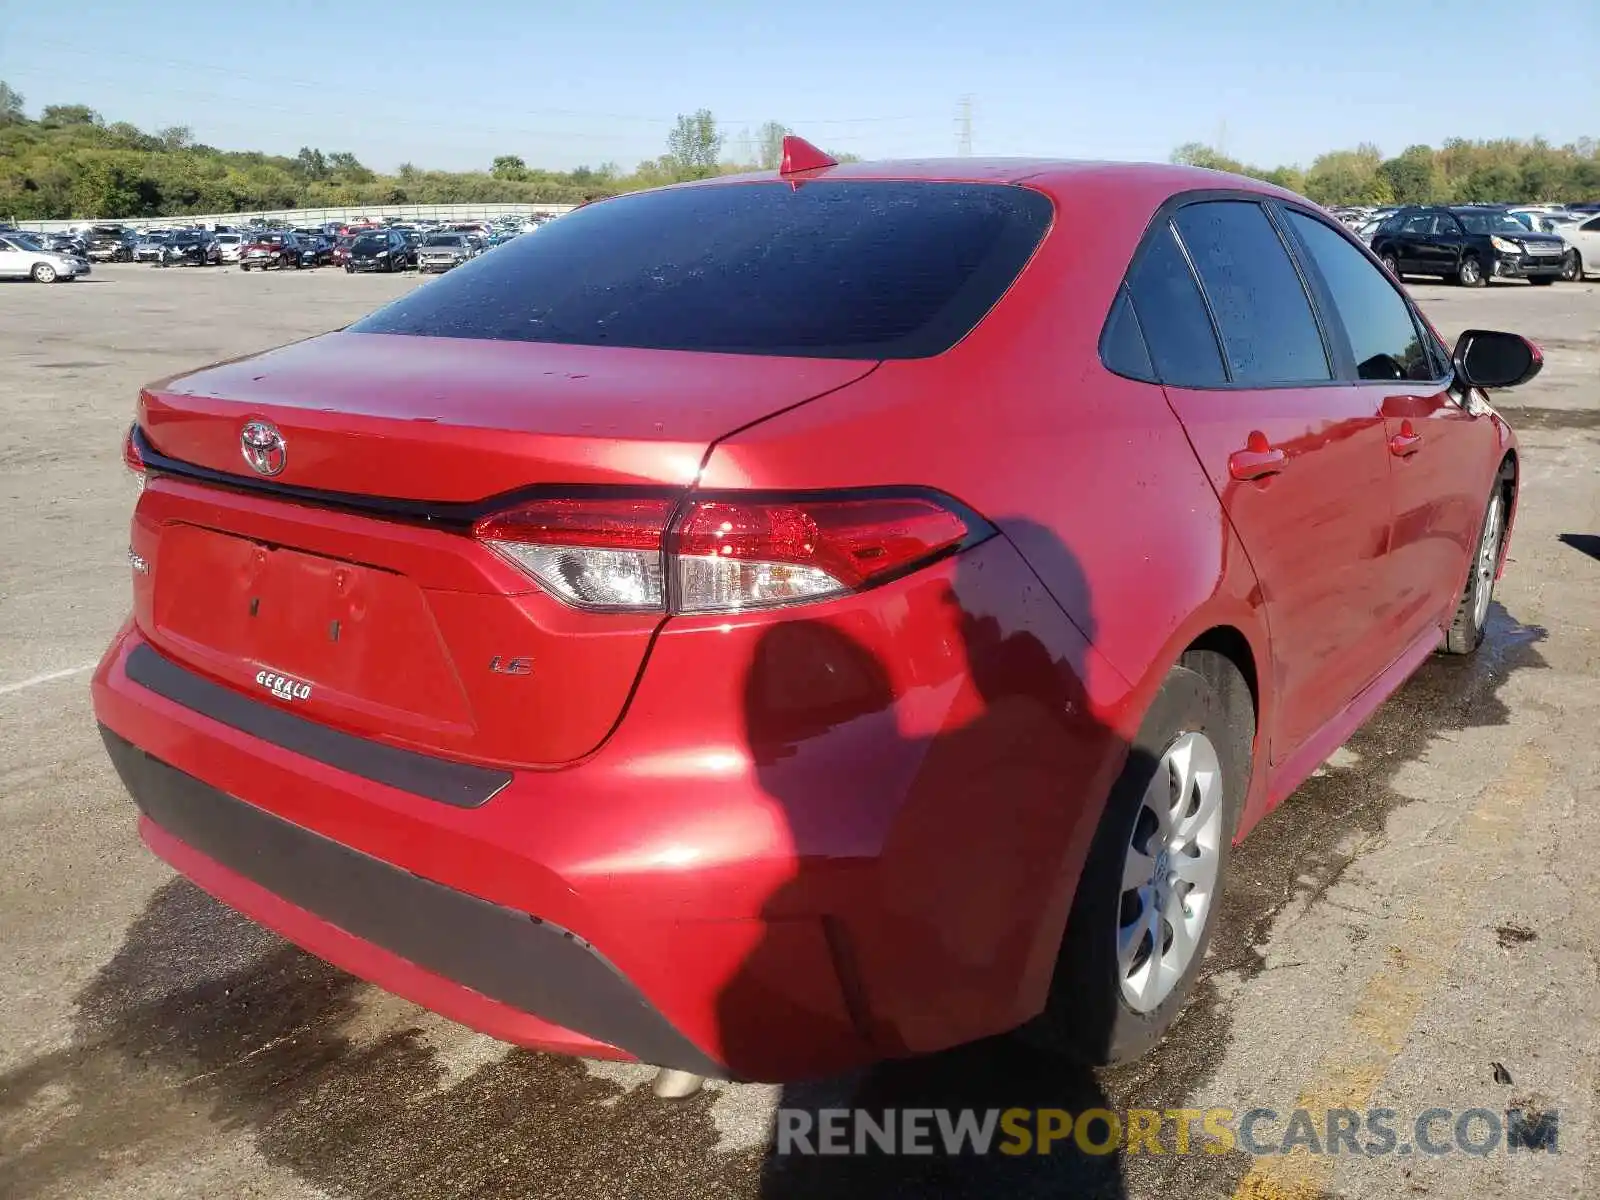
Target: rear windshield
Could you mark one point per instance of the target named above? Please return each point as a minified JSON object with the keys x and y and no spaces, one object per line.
{"x":823,"y":269}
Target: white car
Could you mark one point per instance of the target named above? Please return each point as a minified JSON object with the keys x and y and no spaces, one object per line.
{"x":24,"y":257}
{"x":232,"y":246}
{"x":1583,"y":248}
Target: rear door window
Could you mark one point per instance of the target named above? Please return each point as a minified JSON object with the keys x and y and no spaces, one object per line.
{"x":1171,"y":311}
{"x":1268,"y":329}
{"x":827,"y":269}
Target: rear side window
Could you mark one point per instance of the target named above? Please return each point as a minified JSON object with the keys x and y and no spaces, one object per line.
{"x":1260,"y":305}
{"x":1177,"y":328}
{"x":1383,"y":336}
{"x":1122,"y":347}
{"x":858,"y":269}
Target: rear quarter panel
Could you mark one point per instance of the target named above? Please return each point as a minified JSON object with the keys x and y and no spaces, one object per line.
{"x":1090,"y":475}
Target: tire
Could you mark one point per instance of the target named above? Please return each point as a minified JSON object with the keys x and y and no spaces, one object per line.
{"x":43,"y":273}
{"x":1465,"y":634}
{"x":1203,"y":705}
{"x":1572,"y":267}
{"x":244,"y":266}
{"x":1390,"y":263}
{"x":1471,"y":272}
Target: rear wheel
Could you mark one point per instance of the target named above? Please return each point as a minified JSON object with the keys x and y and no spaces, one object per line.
{"x":1147,"y":899}
{"x":1572,"y":267}
{"x":1471,"y":272}
{"x":1391,"y":264}
{"x":1472,"y":613}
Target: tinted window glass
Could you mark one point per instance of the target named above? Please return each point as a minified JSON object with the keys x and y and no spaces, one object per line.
{"x":1173,"y":316}
{"x":1591,"y":226}
{"x":1122,"y":347}
{"x":826,"y":269}
{"x":1267,"y":328}
{"x":1382,"y":334}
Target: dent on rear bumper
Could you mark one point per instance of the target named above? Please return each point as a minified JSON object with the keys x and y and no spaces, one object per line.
{"x":810,"y":843}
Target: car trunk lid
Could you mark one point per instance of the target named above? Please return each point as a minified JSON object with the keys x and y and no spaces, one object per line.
{"x":348,"y":586}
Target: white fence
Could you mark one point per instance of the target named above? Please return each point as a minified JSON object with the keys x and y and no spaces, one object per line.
{"x":316,"y":216}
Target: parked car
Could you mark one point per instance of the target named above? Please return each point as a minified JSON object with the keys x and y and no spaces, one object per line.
{"x":383,"y":250}
{"x":1467,"y":245}
{"x":63,"y":243}
{"x":23,"y":256}
{"x":190,"y":248}
{"x":882,"y":725}
{"x":441,"y":251}
{"x":111,"y":243}
{"x":272,"y":249}
{"x":1582,"y":255}
{"x":316,"y":248}
{"x":231,"y":245}
{"x":148,"y":247}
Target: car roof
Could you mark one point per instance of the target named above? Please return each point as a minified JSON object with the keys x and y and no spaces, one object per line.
{"x":1131,"y":181}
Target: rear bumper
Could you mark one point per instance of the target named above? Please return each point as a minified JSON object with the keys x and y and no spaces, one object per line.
{"x":477,"y":962}
{"x":785,"y":862}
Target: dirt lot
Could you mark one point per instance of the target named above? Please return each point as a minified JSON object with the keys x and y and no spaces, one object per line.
{"x":1418,"y":926}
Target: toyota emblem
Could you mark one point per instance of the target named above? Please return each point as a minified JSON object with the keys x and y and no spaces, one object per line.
{"x":263,"y":447}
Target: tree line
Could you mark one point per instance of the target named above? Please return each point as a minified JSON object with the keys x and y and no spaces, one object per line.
{"x":1502,"y":171}
{"x":70,"y":162}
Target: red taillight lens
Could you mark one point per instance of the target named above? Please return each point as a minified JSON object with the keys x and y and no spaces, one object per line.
{"x":723,"y":555}
{"x":740,"y":554}
{"x":131,"y":458}
{"x":601,"y":554}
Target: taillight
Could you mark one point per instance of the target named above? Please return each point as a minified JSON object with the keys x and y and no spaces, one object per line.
{"x":722,"y":554}
{"x":132,"y":460}
{"x":602,"y":554}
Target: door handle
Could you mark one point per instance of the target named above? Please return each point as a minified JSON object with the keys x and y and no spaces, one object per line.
{"x":1256,"y":461}
{"x":1405,"y":443}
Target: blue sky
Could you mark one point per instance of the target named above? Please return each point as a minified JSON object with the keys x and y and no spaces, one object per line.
{"x":584,"y":81}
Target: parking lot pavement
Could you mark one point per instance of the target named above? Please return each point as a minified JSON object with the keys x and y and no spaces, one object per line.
{"x":1416,"y":927}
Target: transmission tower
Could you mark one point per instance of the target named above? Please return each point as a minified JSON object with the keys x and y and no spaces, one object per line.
{"x":964,"y":127}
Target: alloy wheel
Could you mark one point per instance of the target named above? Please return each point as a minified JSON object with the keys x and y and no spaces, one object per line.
{"x":1169,"y":873}
{"x":1488,"y":556}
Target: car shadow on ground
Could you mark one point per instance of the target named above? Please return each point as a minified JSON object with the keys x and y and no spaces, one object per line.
{"x":1583,"y":543}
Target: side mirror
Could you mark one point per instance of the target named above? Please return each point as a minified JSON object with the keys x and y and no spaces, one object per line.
{"x":1486,"y":359}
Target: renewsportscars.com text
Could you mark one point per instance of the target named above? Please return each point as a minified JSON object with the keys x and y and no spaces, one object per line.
{"x":1371,"y":1132}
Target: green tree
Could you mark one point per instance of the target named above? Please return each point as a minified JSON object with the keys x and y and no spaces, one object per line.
{"x":1412,"y":176}
{"x":176,"y":137}
{"x":57,"y":116}
{"x":10,"y":104}
{"x":769,"y":145}
{"x":311,"y":164}
{"x":1196,"y":154}
{"x":1348,"y":177}
{"x":349,"y":168}
{"x":694,"y":146}
{"x":509,"y":166}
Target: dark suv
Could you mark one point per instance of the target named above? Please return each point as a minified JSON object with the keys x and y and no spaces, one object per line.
{"x":111,"y":243}
{"x":1467,"y":245}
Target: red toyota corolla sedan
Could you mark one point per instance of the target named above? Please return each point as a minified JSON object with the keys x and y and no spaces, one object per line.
{"x":765,"y":626}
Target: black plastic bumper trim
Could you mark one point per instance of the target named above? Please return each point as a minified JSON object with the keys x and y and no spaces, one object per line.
{"x":506,"y":955}
{"x":461,"y":784}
